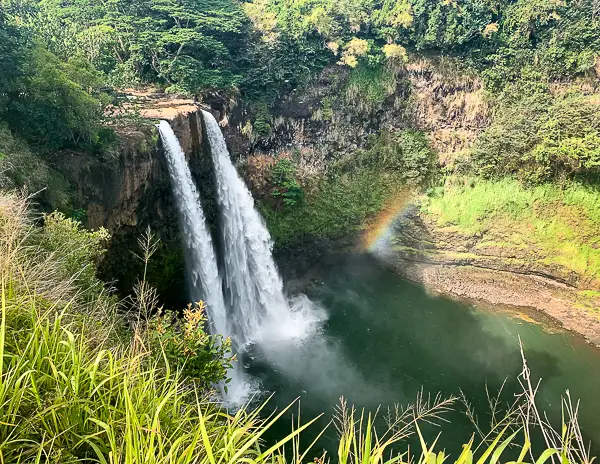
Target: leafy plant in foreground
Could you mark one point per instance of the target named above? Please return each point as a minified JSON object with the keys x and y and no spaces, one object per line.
{"x":187,"y":345}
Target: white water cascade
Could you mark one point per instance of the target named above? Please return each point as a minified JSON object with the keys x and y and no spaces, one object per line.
{"x":260,"y":312}
{"x":205,"y":282}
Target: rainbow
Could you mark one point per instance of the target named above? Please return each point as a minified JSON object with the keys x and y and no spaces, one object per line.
{"x":380,"y":225}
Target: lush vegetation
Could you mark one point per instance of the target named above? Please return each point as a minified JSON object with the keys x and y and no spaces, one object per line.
{"x":556,"y":226}
{"x":61,"y":60}
{"x":497,"y":38}
{"x":81,"y":380}
{"x":263,"y":47}
{"x":337,"y":203}
{"x":539,"y":137}
{"x":81,"y":383}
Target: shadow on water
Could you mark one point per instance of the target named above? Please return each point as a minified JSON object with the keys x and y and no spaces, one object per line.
{"x":385,"y":339}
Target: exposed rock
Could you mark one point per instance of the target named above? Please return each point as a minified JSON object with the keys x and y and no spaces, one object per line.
{"x":151,"y":104}
{"x":325,"y":120}
{"x":455,"y":264}
{"x":131,"y":191}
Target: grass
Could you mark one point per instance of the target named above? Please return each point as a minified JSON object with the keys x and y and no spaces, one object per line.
{"x":74,"y":388}
{"x":62,"y":400}
{"x":559,"y":226}
{"x":77,"y":385}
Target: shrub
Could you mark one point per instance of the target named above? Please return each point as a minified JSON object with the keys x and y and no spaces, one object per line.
{"x":286,"y":186}
{"x":407,"y":153}
{"x":76,"y":250}
{"x":186,"y":344}
{"x":54,"y":106}
{"x":21,"y":167}
{"x":261,"y":124}
{"x":540,"y":137}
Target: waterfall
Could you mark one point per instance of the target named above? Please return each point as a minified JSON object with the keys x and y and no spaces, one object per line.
{"x":204,"y":280}
{"x":254,"y":308}
{"x":201,"y":262}
{"x":253,"y":286}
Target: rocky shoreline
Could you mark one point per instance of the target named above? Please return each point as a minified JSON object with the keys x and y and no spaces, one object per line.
{"x":455,"y":265}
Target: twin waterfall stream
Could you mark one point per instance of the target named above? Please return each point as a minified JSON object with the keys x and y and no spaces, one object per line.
{"x":244,"y":295}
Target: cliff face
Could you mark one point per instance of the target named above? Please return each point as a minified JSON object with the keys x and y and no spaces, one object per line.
{"x":338,"y":112}
{"x":472,"y":267}
{"x":130,"y":192}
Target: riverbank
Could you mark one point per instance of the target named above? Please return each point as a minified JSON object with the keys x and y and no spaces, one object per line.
{"x":488,"y":258}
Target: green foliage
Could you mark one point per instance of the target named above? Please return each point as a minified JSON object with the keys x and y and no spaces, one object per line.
{"x":371,"y":84}
{"x":77,"y":250}
{"x":261,"y":124}
{"x":22,"y":168}
{"x":541,"y":137}
{"x":76,"y":384}
{"x":52,"y":107}
{"x":407,"y":154}
{"x":355,"y":189}
{"x":335,"y":206}
{"x":11,"y":60}
{"x":273,"y":68}
{"x":327,"y":108}
{"x":45,"y":100}
{"x":186,"y":46}
{"x":286,"y":187}
{"x":498,"y":39}
{"x":186,"y":345}
{"x":66,"y":398}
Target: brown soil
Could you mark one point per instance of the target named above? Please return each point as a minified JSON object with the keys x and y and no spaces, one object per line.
{"x":150,"y":104}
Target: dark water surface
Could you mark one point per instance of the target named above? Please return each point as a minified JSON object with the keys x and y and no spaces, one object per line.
{"x":383,"y":339}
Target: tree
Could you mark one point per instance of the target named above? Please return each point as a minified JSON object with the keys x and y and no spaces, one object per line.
{"x":186,"y":45}
{"x":12,"y":57}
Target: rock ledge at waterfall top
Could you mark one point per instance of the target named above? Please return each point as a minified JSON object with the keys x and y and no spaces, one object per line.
{"x":151,"y":104}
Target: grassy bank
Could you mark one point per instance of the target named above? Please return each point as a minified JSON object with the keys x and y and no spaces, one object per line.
{"x":561,"y":225}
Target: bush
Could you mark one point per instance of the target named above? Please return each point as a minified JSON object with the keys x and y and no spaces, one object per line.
{"x":540,"y":138}
{"x":21,"y":167}
{"x":370,"y":84}
{"x":406,"y":153}
{"x":286,"y":187}
{"x":76,"y":250}
{"x":186,"y":344}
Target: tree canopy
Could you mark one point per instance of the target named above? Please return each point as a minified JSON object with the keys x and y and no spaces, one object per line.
{"x":256,"y":45}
